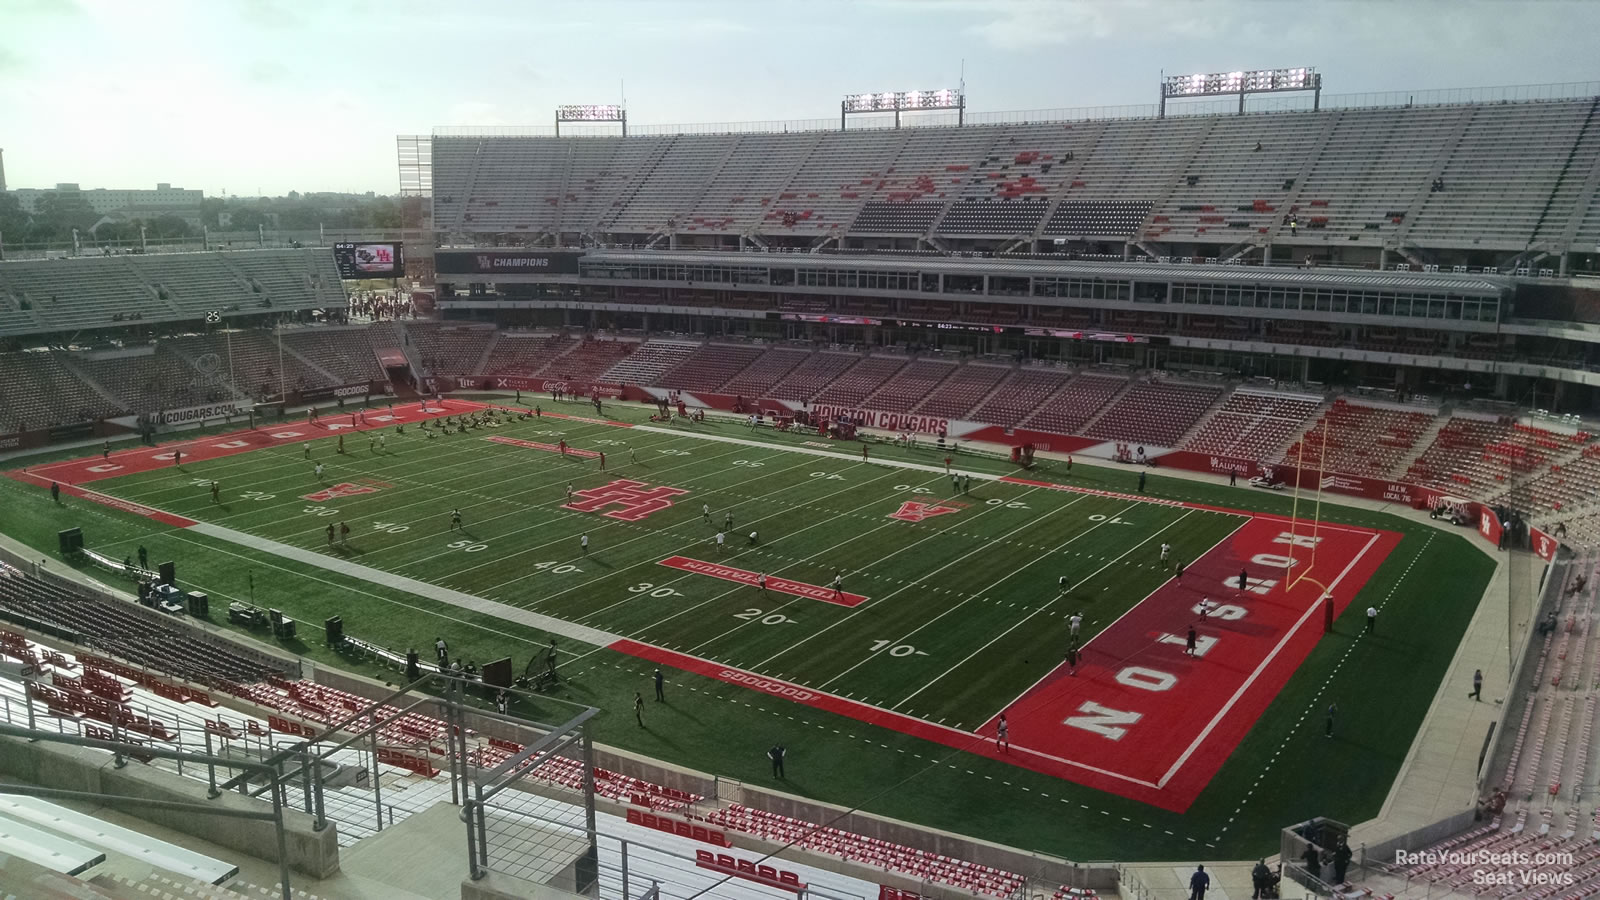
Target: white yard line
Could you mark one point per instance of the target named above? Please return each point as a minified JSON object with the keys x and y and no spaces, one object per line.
{"x":410,"y":585}
{"x":1024,"y":619}
{"x":1223,"y":712}
{"x":854,"y":612}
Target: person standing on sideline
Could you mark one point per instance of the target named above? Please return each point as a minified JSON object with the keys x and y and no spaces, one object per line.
{"x":441,"y":651}
{"x":144,"y":557}
{"x":1141,"y":482}
{"x":1233,"y":477}
{"x":1073,"y":623}
{"x":1002,"y":734}
{"x":1180,"y":570}
{"x":1333,"y":710}
{"x":55,"y":492}
{"x":1372,"y":619}
{"x":105,"y":450}
{"x":863,"y":451}
{"x":1192,"y":640}
{"x":661,"y":681}
{"x":1199,"y":883}
{"x":1072,"y":660}
{"x":776,"y":755}
{"x":177,"y":458}
{"x":1341,"y":861}
{"x":1477,"y":685}
{"x":947,"y":465}
{"x":638,"y":708}
{"x":583,"y":542}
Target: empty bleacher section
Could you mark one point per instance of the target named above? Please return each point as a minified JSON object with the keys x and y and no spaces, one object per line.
{"x":866,"y":376}
{"x":38,"y":391}
{"x":757,"y":379}
{"x":345,"y":353}
{"x":812,"y":375}
{"x":1359,"y":439}
{"x":1155,"y":412}
{"x":1020,"y":395}
{"x":164,"y":378}
{"x":132,"y":633}
{"x":1457,"y":461}
{"x":586,"y":361}
{"x":955,"y":397}
{"x":649,"y":362}
{"x":1066,"y":411}
{"x":1458,"y":176}
{"x":100,"y":292}
{"x":1253,"y":424}
{"x":713,"y":365}
{"x":910,"y":385}
{"x":450,"y":350}
{"x":524,"y":353}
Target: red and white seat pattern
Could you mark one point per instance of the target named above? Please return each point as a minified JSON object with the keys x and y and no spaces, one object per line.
{"x":449,"y":350}
{"x":1252,"y":424}
{"x":910,"y":386}
{"x":649,"y":362}
{"x":1358,"y":439}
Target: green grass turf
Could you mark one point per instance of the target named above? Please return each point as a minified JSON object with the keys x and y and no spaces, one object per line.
{"x":974,"y":593}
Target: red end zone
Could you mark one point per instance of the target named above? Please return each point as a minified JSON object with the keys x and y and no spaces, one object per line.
{"x":1141,"y":719}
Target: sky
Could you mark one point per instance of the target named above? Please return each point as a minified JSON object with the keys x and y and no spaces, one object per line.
{"x":247,"y":97}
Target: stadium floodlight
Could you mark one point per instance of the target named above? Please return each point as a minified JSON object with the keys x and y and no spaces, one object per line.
{"x":901,"y":101}
{"x":591,"y":112}
{"x":1259,"y":81}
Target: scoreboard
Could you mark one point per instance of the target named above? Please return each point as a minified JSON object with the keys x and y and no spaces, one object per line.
{"x":357,"y":261}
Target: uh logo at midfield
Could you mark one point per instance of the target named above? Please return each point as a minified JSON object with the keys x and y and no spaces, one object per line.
{"x":635,"y":499}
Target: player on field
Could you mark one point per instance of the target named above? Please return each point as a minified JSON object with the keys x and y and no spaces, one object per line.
{"x":602,"y":462}
{"x":341,"y":443}
{"x":318,"y":470}
{"x":727,"y":521}
{"x":1073,"y":623}
{"x":838,"y":584}
{"x":383,"y":443}
{"x":1165,"y":550}
{"x":753,"y":539}
{"x":344,"y":534}
{"x":306,"y":446}
{"x":1190,"y":642}
{"x":1244,"y":581}
{"x":761,"y":582}
{"x":330,"y":534}
{"x":705,"y":512}
{"x":177,"y":457}
{"x":1179,"y":569}
{"x":966,"y":484}
{"x":455,"y":519}
{"x":720,"y":537}
{"x":563,"y":445}
{"x":1205,"y":608}
{"x":105,"y":450}
{"x":632,"y":457}
{"x":583,"y":541}
{"x":1002,"y":734}
{"x":569,"y":492}
{"x":216,"y":491}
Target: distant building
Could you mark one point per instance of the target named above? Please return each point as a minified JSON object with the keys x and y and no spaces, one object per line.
{"x":165,"y":200}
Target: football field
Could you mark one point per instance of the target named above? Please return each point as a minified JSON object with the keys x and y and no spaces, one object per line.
{"x":880,"y":589}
